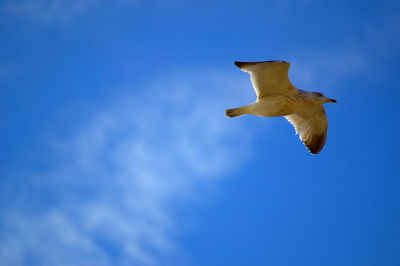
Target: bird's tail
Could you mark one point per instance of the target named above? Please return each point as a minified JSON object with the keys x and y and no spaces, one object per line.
{"x":234,"y":112}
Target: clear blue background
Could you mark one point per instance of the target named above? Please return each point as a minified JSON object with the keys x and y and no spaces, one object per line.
{"x":115,"y":149}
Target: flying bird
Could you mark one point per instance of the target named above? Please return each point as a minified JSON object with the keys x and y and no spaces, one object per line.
{"x":276,"y":96}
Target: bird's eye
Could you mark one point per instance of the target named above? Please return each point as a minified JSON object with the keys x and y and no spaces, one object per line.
{"x":318,"y":94}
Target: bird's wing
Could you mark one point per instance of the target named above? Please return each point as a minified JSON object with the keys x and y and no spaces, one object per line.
{"x":268,"y":78}
{"x":312,"y":125}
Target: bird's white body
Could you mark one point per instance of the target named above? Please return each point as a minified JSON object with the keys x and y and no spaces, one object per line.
{"x":281,"y":105}
{"x":276,"y":96}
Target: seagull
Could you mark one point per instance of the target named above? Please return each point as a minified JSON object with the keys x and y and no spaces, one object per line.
{"x":276,"y":96}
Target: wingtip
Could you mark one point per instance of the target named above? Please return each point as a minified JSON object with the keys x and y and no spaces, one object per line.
{"x":240,"y":64}
{"x":316,"y":144}
{"x":314,"y":152}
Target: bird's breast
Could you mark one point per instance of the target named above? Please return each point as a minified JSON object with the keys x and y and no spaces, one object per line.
{"x":279,"y":105}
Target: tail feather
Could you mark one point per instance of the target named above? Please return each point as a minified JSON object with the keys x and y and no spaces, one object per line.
{"x":233,"y":112}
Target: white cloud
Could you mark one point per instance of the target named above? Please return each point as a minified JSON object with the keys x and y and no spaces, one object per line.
{"x":111,"y":198}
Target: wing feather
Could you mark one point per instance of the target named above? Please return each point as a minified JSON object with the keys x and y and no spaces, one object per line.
{"x":312,"y":126}
{"x":268,"y":77}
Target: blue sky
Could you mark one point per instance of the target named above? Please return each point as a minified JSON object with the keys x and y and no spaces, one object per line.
{"x":115,"y":148}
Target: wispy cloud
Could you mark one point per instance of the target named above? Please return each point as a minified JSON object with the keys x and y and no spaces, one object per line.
{"x":63,"y":12}
{"x":328,"y":68}
{"x":49,"y":11}
{"x":369,"y":52}
{"x":112,"y":194}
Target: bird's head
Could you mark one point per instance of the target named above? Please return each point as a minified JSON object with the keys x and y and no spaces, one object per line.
{"x":322,"y":98}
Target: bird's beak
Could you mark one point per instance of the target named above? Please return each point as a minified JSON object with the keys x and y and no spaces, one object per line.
{"x":332,"y":101}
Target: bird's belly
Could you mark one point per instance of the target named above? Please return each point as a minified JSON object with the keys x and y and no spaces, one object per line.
{"x":278,"y":106}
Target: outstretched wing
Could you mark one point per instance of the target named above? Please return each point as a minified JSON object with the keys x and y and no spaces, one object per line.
{"x":269,"y":77}
{"x":312,"y":126}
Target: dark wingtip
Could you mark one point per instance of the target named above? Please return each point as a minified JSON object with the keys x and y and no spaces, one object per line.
{"x":240,"y":64}
{"x":316,"y":144}
{"x":314,"y":152}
